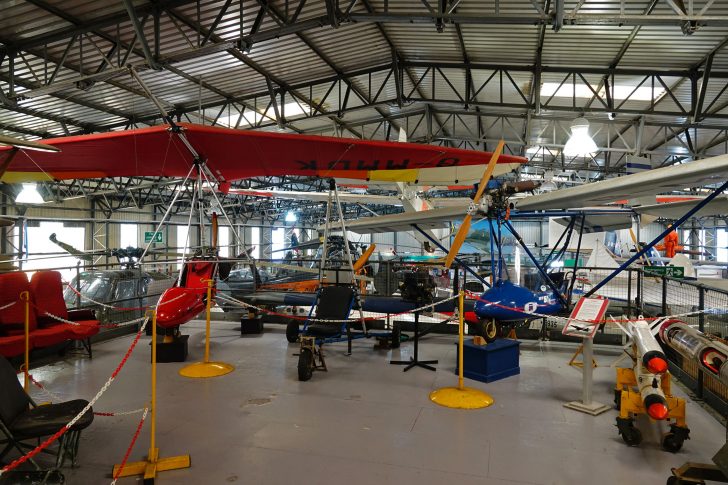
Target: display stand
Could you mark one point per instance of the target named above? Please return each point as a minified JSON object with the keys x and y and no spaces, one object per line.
{"x":583,"y":323}
{"x":206,"y":368}
{"x":461,"y":397}
{"x":414,"y":360}
{"x":153,"y":464}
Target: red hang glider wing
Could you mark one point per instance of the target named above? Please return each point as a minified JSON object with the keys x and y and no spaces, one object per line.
{"x":230,"y":155}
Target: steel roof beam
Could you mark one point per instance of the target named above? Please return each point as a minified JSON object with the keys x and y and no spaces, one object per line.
{"x":392,"y":46}
{"x":331,"y":9}
{"x":87,"y":127}
{"x":425,"y":17}
{"x":255,"y":66}
{"x":139,"y":30}
{"x":100,"y":23}
{"x":24,"y":131}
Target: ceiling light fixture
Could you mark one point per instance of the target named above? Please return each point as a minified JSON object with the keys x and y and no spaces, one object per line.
{"x":580,"y":143}
{"x":291,"y":216}
{"x":29,"y":195}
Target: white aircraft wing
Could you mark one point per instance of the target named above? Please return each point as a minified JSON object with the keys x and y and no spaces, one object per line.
{"x":650,"y":182}
{"x":599,"y":223}
{"x":675,"y":210}
{"x":429,"y":219}
{"x":319,"y":196}
{"x":461,"y":202}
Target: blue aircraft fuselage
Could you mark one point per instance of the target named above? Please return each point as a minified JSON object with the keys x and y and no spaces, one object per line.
{"x":503,"y":301}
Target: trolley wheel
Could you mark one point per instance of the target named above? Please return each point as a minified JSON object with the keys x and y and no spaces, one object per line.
{"x":671,"y":443}
{"x":489,"y":330}
{"x":292,"y":331}
{"x":632,"y":436}
{"x":305,"y":365}
{"x":677,"y":481}
{"x":396,"y":336}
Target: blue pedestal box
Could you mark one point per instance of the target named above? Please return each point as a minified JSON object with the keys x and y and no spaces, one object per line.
{"x":488,"y":363}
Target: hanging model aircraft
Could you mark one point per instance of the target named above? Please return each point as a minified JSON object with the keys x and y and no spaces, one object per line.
{"x":509,"y":301}
{"x":221,"y":156}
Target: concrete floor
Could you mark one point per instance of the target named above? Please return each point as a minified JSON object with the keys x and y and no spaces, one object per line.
{"x":364,"y":421}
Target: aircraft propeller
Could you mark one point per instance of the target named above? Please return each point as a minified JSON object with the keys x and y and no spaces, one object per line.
{"x":465,"y":226}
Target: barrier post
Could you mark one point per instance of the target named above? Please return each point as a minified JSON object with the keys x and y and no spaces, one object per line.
{"x":206,"y":368}
{"x":25,"y":296}
{"x":461,"y":397}
{"x":153,"y":463}
{"x":208,"y":308}
{"x":461,"y":337}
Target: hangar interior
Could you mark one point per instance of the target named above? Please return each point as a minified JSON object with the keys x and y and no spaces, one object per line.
{"x":486,"y":99}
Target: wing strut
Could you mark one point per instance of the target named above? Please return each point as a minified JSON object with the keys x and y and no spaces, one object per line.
{"x":543,"y":272}
{"x":662,"y":235}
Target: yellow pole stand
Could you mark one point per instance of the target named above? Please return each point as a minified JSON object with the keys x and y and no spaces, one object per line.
{"x":153,"y":463}
{"x":461,"y":397}
{"x":206,"y":368}
{"x":25,"y":296}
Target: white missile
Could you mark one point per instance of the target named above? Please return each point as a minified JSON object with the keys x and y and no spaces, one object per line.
{"x":651,"y":365}
{"x":648,"y":349}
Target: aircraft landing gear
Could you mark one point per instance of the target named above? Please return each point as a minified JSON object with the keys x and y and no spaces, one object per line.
{"x":488,"y":330}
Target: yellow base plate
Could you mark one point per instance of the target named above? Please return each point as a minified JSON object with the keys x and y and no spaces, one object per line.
{"x":206,"y":369}
{"x":149,"y":469}
{"x":465,"y":398}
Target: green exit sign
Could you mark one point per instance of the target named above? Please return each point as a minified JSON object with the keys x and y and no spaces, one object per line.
{"x":671,"y":271}
{"x":151,"y":236}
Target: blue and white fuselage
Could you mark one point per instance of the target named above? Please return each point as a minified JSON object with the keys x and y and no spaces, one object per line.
{"x":508,"y":302}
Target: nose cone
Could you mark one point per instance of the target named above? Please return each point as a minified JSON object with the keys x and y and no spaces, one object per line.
{"x":657,"y":411}
{"x":657,"y":365}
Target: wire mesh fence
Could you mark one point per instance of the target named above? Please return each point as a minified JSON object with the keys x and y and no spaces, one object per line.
{"x":119,"y":294}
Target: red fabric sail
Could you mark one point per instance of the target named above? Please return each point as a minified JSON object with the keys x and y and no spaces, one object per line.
{"x":232,"y":154}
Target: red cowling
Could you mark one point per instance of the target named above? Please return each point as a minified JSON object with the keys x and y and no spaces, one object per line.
{"x":179,"y":305}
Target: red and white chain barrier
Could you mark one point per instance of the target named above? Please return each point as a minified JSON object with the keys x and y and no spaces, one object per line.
{"x":233,"y":301}
{"x":107,"y":325}
{"x":242,"y":304}
{"x":55,"y":397}
{"x":72,"y":422}
{"x":119,"y":308}
{"x":603,"y":321}
{"x":131,"y":446}
{"x":5,"y":307}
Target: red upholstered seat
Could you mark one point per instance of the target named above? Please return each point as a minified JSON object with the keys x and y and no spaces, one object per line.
{"x":12,"y":319}
{"x":45,"y":337}
{"x":13,"y":346}
{"x":47,"y":289}
{"x":84,"y":329}
{"x":196,"y":275}
{"x":45,"y":292}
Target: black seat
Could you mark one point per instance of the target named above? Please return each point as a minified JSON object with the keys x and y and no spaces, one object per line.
{"x":334,"y":303}
{"x":21,"y":419}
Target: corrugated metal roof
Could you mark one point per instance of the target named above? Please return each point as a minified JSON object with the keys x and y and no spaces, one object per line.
{"x":292,"y":59}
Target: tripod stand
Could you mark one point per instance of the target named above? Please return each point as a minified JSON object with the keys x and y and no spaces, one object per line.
{"x":414,"y":360}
